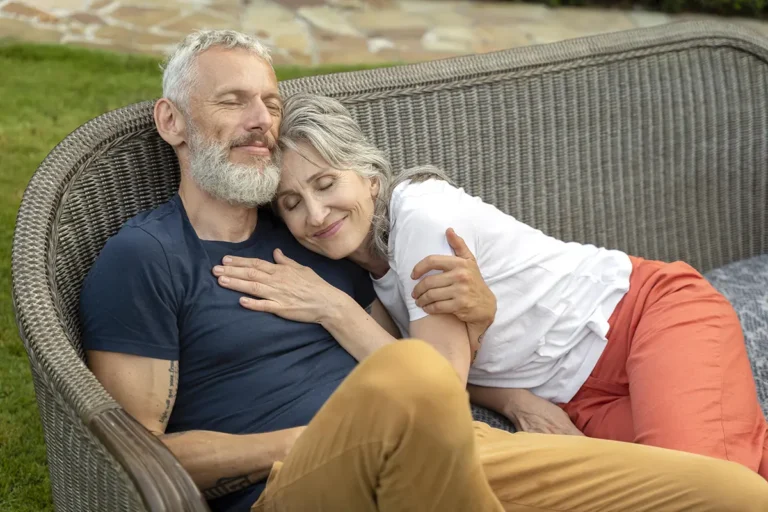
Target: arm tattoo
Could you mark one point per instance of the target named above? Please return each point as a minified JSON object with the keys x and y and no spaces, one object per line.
{"x":227,"y":485}
{"x":173,"y":384}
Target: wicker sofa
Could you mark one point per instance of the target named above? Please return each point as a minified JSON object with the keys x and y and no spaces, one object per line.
{"x":654,"y":141}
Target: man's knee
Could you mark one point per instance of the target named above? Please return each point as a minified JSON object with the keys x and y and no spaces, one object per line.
{"x":414,"y":375}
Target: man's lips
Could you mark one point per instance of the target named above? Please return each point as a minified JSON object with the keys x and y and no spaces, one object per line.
{"x":255,"y":149}
{"x":330,"y":230}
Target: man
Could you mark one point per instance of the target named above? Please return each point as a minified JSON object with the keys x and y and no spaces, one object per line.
{"x":240,"y":396}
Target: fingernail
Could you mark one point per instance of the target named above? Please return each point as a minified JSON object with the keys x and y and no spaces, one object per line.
{"x":224,"y":280}
{"x":227,"y":259}
{"x":244,"y":300}
{"x":218,"y":270}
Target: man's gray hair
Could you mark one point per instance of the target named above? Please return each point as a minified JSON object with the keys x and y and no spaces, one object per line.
{"x":180,"y":70}
{"x":326,"y":125}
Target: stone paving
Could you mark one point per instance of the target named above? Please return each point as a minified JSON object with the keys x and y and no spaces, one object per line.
{"x":312,"y":32}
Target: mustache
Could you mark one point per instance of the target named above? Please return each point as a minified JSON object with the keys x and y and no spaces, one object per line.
{"x":251,"y":139}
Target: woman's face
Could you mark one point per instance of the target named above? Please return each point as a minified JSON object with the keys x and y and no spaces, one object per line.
{"x":327,"y":210}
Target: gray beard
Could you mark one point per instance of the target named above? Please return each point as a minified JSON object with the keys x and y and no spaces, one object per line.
{"x":248,"y":185}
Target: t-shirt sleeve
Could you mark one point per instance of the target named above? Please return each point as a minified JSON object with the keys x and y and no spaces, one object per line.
{"x":364,"y":294}
{"x":127,"y":303}
{"x":420,"y":232}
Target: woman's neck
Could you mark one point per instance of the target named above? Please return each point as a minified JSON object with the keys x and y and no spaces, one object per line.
{"x":375,"y":264}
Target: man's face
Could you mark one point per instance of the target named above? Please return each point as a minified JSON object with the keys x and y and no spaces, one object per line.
{"x":232,"y":125}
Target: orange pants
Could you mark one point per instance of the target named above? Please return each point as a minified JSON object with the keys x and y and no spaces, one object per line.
{"x":675,"y":372}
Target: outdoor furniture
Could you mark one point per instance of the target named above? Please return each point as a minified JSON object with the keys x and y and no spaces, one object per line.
{"x":654,"y":141}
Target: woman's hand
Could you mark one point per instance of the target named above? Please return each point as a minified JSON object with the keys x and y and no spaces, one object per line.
{"x":530,"y":413}
{"x":526,"y":411}
{"x":459,"y":289}
{"x":285,"y":288}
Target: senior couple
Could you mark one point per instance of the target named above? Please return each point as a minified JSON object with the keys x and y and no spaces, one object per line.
{"x":306,"y":326}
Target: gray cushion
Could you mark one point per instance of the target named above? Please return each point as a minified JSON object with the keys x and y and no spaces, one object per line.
{"x":745,"y":284}
{"x":492,"y":418}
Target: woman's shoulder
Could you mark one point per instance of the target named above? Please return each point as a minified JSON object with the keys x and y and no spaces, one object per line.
{"x":416,"y":194}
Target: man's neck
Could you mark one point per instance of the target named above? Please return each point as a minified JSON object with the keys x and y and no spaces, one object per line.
{"x":213,"y":219}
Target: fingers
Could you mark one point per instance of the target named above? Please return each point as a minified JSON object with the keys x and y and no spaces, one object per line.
{"x":433,"y":281}
{"x":242,"y":273}
{"x":442,"y":307}
{"x":436,"y":262}
{"x":458,"y":245}
{"x":436,"y":295}
{"x":267,"y":306}
{"x":236,"y":261}
{"x":244,"y":286}
{"x":284,"y":260}
{"x":571,"y":430}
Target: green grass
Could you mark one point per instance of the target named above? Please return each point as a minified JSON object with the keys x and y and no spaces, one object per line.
{"x":45,"y":93}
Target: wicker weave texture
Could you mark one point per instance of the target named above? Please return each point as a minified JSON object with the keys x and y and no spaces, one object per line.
{"x":83,"y":475}
{"x":652,"y":141}
{"x":661,"y":153}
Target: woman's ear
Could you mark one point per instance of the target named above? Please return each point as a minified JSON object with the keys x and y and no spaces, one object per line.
{"x":375,"y":187}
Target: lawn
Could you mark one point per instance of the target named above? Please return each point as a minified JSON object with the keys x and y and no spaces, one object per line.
{"x":45,"y":93}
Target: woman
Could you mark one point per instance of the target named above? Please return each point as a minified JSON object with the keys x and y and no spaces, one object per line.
{"x":631,"y":349}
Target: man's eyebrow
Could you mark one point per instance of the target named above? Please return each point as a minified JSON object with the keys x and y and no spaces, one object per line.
{"x":241,"y":92}
{"x":228,"y":90}
{"x":273,"y":97}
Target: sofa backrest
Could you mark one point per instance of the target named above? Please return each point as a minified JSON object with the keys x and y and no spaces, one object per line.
{"x":652,"y":141}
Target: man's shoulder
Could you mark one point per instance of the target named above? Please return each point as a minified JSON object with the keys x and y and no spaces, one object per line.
{"x":149,"y":230}
{"x":143,"y":241}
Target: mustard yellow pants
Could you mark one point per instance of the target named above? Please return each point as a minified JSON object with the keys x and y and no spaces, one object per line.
{"x":398,"y":436}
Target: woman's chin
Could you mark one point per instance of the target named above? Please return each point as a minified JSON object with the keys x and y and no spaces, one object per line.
{"x":328,"y":252}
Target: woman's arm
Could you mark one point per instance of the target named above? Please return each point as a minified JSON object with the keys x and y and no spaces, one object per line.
{"x":379,"y":313}
{"x":358,"y":332}
{"x":449,"y":336}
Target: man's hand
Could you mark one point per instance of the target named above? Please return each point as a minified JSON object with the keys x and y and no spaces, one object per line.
{"x":285,"y":288}
{"x":459,"y":290}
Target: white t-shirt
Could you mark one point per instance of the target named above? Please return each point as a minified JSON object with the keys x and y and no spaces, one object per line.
{"x":553,"y":298}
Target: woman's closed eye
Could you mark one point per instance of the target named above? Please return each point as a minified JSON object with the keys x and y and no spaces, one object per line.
{"x":325,"y":183}
{"x":291,"y":203}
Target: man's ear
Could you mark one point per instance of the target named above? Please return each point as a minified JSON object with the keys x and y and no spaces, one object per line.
{"x":169,"y":122}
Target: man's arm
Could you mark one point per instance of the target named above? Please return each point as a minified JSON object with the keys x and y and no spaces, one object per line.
{"x":219,"y":463}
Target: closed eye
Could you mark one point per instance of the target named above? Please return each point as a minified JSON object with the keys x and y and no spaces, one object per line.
{"x":290,"y":204}
{"x":325,"y":183}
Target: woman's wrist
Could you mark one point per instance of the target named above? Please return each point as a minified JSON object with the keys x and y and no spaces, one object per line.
{"x":339,"y":306}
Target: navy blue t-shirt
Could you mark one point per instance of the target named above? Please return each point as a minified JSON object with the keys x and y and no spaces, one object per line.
{"x":151,"y":293}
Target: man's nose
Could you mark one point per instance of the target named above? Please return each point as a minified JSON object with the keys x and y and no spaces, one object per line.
{"x":258,"y":117}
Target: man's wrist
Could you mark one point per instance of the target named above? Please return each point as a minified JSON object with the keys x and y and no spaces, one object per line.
{"x":285,"y":444}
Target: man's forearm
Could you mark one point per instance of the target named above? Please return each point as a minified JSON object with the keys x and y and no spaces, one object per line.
{"x":355,"y":329}
{"x":222,"y":463}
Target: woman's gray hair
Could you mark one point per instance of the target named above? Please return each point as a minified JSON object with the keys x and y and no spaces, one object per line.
{"x":326,"y":125}
{"x":180,"y":70}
